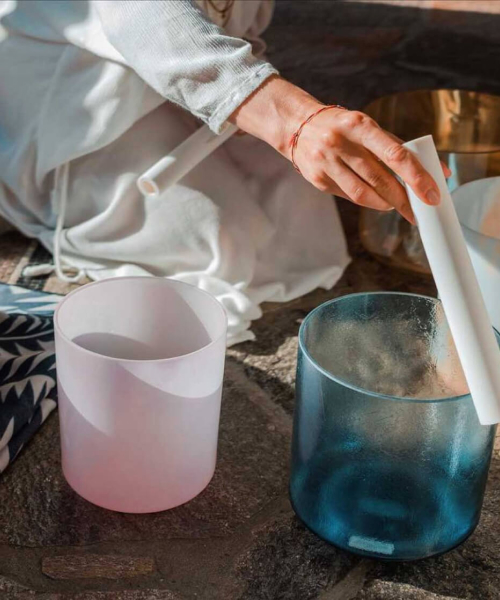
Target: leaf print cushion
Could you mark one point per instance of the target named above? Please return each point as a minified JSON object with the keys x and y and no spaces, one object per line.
{"x":27,"y":379}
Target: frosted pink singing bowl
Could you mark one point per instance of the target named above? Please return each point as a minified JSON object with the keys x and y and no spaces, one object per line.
{"x":140,"y":364}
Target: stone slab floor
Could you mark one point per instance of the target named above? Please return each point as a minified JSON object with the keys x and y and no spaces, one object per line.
{"x":240,"y":539}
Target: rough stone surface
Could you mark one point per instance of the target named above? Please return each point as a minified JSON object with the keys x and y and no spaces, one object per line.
{"x":287,"y":561}
{"x":8,"y":586}
{"x":39,"y":508}
{"x":94,"y":566}
{"x":150,"y":594}
{"x":386,"y":590}
{"x":121,"y":595}
{"x":239,"y":540}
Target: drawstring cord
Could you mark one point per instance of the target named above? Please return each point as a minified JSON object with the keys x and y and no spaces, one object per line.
{"x":61,"y":179}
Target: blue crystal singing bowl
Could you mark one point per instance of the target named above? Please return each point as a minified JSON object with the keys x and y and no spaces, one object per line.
{"x":389,"y":459}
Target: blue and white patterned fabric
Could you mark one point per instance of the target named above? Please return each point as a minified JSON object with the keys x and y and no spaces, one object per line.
{"x":27,"y":366}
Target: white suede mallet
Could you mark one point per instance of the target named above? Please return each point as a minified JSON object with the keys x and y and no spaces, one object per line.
{"x":458,"y":288}
{"x":173,"y":167}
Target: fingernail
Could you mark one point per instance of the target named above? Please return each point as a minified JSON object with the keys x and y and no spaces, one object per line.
{"x":432,"y":197}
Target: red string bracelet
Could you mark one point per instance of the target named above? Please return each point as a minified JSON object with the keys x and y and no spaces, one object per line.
{"x":295,"y":137}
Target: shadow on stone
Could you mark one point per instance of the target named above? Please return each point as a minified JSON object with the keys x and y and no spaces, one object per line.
{"x":289,"y":562}
{"x":39,"y":508}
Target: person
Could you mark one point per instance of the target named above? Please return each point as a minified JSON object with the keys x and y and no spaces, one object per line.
{"x":92,"y":93}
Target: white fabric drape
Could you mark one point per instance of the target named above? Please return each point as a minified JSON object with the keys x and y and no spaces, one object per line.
{"x":84,"y":84}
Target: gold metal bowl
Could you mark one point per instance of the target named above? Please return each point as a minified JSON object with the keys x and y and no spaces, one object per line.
{"x":466,"y":129}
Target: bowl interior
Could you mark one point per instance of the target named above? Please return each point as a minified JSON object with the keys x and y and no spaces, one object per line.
{"x":140,"y":318}
{"x":394,"y":345}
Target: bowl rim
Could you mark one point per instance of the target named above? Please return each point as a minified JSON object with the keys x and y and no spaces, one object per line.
{"x":143,"y":280}
{"x":454,"y":197}
{"x":369,"y":106}
{"x":344,"y":383}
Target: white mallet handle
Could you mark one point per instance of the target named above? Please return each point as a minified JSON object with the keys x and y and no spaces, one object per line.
{"x":458,"y":288}
{"x":173,"y":167}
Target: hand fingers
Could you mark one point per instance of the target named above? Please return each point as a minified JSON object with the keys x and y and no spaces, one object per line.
{"x":354,"y":188}
{"x":446,"y":169}
{"x":377,"y":177}
{"x":402,"y":162}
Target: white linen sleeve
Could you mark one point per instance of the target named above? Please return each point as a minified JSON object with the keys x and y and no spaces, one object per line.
{"x":184,"y":56}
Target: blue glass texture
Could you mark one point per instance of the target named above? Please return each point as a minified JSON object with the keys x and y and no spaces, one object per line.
{"x":396,"y":476}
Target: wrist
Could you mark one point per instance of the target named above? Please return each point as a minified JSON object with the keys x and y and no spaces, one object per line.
{"x":274,"y":112}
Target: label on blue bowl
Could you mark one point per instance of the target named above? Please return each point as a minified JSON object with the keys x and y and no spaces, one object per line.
{"x":371,"y":545}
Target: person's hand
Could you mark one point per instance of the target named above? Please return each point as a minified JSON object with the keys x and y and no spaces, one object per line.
{"x":342,"y":152}
{"x":346,"y":153}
